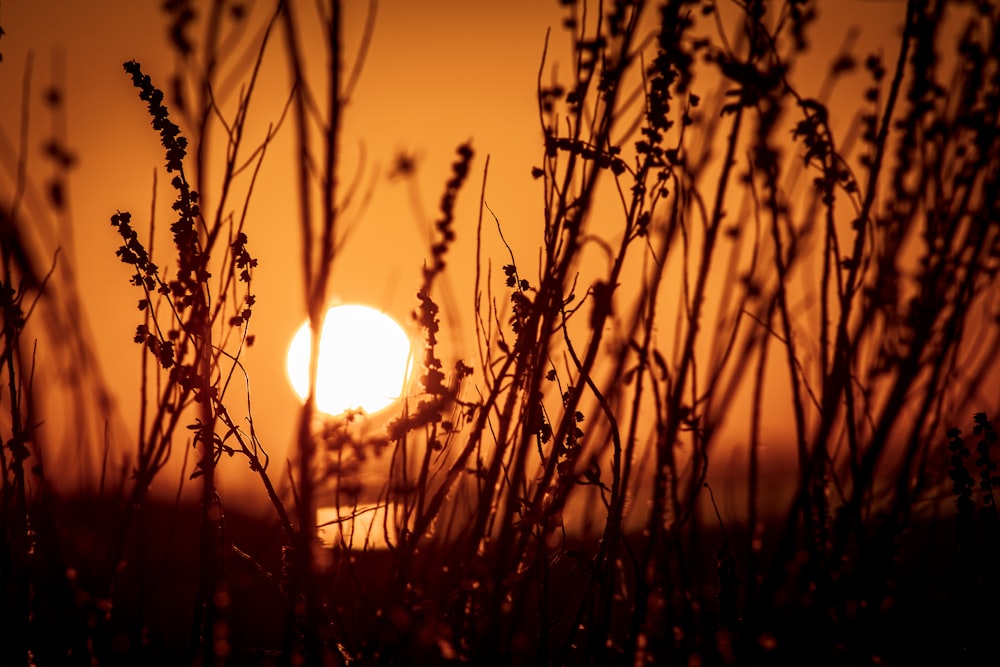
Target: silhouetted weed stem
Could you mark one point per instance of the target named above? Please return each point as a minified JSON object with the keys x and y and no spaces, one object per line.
{"x":812,"y":464}
{"x":953,"y":265}
{"x":318,"y":181}
{"x":837,"y":381}
{"x":191,"y":307}
{"x":666,"y":503}
{"x":562,"y":239}
{"x":16,"y":518}
{"x":650,"y":364}
{"x":301,"y":631}
{"x":729,"y":615}
{"x":183,"y":341}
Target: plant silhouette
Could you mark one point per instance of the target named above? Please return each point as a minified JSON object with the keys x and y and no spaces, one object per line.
{"x":717,"y":250}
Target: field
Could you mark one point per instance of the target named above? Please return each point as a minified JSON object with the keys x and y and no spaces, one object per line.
{"x":721,"y":392}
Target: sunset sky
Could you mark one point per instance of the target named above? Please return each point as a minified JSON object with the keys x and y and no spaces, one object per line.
{"x":698,"y":343}
{"x":438,"y":74}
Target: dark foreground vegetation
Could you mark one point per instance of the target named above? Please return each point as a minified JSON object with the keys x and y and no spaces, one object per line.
{"x":713,"y":235}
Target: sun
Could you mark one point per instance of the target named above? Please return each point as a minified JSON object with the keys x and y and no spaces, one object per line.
{"x":364,"y":360}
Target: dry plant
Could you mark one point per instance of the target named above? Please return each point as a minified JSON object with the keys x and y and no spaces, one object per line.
{"x":711,"y":235}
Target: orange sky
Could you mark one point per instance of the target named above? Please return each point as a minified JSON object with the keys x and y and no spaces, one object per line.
{"x":438,"y":73}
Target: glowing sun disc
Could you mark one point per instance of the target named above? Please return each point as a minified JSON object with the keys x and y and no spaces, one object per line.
{"x":364,"y":360}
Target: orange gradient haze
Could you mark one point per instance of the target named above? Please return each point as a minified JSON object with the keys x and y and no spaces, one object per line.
{"x":434,"y":75}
